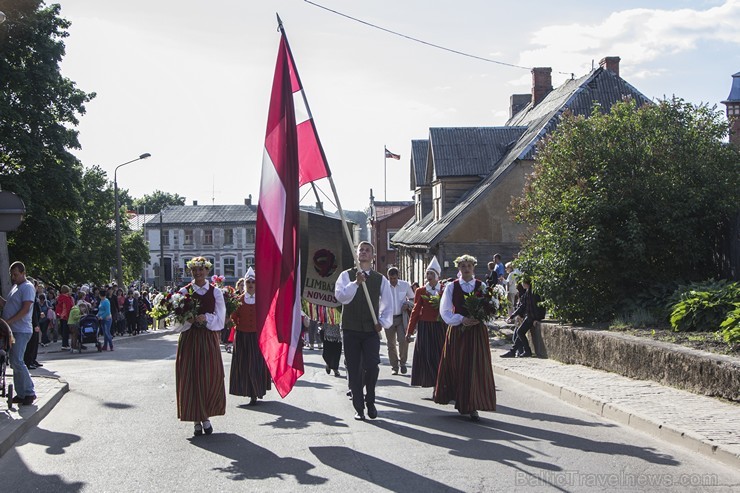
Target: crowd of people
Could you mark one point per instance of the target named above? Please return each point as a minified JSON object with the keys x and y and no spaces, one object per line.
{"x":451,"y":352}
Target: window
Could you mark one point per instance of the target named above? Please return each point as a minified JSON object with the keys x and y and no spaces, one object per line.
{"x":166,"y":239}
{"x":250,"y":235}
{"x":188,"y":237}
{"x":228,"y":237}
{"x":249,"y":262}
{"x":229,"y":266}
{"x":391,"y":232}
{"x":208,"y":237}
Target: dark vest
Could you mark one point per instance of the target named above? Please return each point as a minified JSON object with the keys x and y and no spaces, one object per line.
{"x":458,"y":297}
{"x":207,"y":301}
{"x":356,"y":314}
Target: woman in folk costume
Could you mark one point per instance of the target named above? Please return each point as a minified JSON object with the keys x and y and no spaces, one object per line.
{"x":199,"y":371}
{"x":465,"y":372}
{"x":431,"y":337}
{"x":250,"y":376}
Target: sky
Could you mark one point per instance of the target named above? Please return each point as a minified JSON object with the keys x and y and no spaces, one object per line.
{"x":189,"y":82}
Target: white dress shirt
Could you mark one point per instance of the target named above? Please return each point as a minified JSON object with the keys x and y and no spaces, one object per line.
{"x":447,"y":309}
{"x":402,"y":293}
{"x":214,"y":321}
{"x":345,"y":290}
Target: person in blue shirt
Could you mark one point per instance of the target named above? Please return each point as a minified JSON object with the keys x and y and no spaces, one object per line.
{"x":18,"y":312}
{"x":499,"y":268}
{"x":106,"y":319}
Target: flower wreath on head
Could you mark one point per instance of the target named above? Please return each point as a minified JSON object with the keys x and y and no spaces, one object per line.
{"x":199,"y":262}
{"x":466,"y":258}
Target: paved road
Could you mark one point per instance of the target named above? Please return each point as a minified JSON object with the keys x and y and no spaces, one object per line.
{"x":116,"y":430}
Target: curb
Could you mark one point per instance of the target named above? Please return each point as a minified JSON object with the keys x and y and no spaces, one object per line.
{"x":626,"y":417}
{"x":16,"y":428}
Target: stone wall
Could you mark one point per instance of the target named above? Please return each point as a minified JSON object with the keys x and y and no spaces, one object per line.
{"x":635,"y":357}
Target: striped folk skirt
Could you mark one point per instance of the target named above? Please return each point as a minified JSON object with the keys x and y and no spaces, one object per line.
{"x":249,"y":376}
{"x":465,"y":371}
{"x":430,"y":339}
{"x":199,"y":375}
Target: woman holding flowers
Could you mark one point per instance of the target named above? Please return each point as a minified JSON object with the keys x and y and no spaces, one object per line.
{"x":431,"y":337}
{"x":250,"y":376}
{"x":199,"y":371}
{"x":465,"y":372}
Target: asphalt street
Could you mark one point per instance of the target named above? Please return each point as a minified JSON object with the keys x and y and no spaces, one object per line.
{"x":116,"y":430}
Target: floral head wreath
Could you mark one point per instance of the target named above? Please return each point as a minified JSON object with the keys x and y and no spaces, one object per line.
{"x":199,"y":262}
{"x":466,"y":258}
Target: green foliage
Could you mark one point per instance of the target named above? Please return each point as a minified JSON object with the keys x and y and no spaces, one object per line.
{"x":730,"y":327}
{"x":135,"y":254}
{"x":626,"y":200}
{"x":157,"y":201}
{"x":704,"y":306}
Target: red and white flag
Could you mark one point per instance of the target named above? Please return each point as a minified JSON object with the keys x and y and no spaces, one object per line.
{"x":391,"y":155}
{"x":293,"y":156}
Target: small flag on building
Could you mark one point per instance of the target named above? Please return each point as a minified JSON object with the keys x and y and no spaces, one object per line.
{"x":390,"y":155}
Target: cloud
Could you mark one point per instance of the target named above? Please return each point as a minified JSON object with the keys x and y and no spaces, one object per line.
{"x":638,"y":35}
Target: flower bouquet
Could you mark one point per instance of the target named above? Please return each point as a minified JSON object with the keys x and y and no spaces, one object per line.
{"x":178,"y":306}
{"x":486,"y":303}
{"x":232,"y":300}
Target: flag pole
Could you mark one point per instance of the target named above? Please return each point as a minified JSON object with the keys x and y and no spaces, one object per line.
{"x":331,"y":181}
{"x":385,"y":173}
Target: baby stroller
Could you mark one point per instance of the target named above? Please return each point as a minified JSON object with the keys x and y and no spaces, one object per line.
{"x":89,"y":327}
{"x":4,"y":347}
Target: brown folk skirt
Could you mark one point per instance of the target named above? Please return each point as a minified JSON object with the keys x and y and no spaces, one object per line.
{"x":249,"y":375}
{"x":199,"y":375}
{"x":465,"y":372}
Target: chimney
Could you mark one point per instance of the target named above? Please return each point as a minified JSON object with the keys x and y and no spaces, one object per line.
{"x":733,"y":111}
{"x":248,"y":200}
{"x":541,"y":84}
{"x":195,"y":202}
{"x":517,"y":102}
{"x":610,"y":63}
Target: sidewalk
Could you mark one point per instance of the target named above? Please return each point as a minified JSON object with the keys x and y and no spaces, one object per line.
{"x":15,"y":421}
{"x":702,"y":424}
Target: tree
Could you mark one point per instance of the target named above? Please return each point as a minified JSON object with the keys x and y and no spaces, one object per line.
{"x":157,"y":201}
{"x":621,"y":201}
{"x":39,"y":109}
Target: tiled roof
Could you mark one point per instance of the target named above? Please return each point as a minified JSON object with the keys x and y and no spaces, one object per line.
{"x":470,"y":151}
{"x":576,"y":96}
{"x":419,"y":150}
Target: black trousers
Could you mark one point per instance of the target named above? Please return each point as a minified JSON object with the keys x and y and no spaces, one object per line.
{"x":32,"y":349}
{"x":362,"y":355}
{"x":520,"y":335}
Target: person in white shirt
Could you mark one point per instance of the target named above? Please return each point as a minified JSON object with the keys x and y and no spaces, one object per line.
{"x":465,"y":372}
{"x":402,"y":301}
{"x":360,"y":332}
{"x":199,"y":371}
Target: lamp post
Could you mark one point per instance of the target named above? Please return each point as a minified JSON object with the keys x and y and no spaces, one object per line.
{"x":119,"y":262}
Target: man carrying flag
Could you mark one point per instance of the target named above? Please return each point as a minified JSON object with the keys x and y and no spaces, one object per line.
{"x":293,"y":157}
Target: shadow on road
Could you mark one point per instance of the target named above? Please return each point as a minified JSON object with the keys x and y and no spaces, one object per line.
{"x":291,"y":417}
{"x":250,"y":461}
{"x":483,"y":440}
{"x":375,"y":471}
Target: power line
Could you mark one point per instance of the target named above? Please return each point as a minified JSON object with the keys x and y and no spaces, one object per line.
{"x":374,"y":26}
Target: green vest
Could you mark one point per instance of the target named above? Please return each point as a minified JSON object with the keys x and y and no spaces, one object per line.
{"x":356,"y":314}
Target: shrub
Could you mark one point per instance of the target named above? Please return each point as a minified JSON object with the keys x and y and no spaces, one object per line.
{"x":730,"y":328}
{"x":704,"y":306}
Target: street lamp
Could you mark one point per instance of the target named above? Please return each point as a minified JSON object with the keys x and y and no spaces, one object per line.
{"x":119,"y":262}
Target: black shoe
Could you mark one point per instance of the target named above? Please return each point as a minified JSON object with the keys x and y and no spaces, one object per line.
{"x":474,"y":416}
{"x":328,"y":370}
{"x":252,"y":401}
{"x":31,"y":367}
{"x":359,"y":417}
{"x":28,"y":400}
{"x":349,"y":394}
{"x":524,"y":354}
{"x":38,"y":365}
{"x":372,"y":411}
{"x":17,"y":400}
{"x":198,"y":431}
{"x":404,"y":370}
{"x":336,"y":373}
{"x":395,"y":371}
{"x":509,"y":354}
{"x":208,"y":430}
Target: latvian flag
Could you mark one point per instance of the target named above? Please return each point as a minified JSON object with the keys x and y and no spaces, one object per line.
{"x":390,"y":155}
{"x":293,"y":156}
